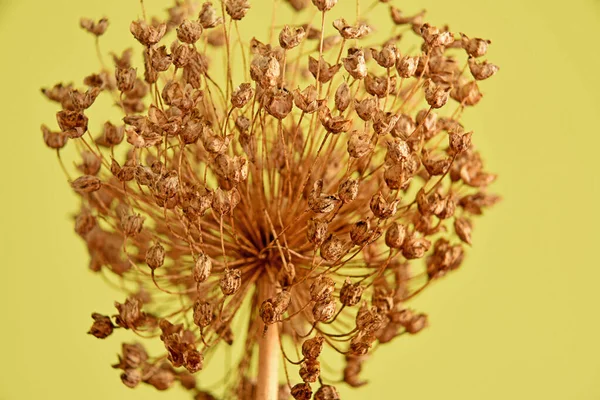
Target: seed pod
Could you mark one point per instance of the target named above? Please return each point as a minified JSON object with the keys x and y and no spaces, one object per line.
{"x":324,"y":5}
{"x":333,"y":248}
{"x":327,"y":392}
{"x":278,"y":103}
{"x":407,"y":66}
{"x":310,"y":370}
{"x":324,"y":310}
{"x":380,"y":86}
{"x":112,"y":135}
{"x":322,"y":68}
{"x":193,"y":360}
{"x":102,"y":326}
{"x":361,"y":233}
{"x":95,"y":28}
{"x":189,"y":31}
{"x":73,"y":123}
{"x":483,"y":70}
{"x":463,"y":228}
{"x":84,"y":223}
{"x":350,"y":293}
{"x":368,"y":320}
{"x":381,"y":208}
{"x":361,"y":343}
{"x":208,"y":16}
{"x":349,"y":32}
{"x":281,"y":302}
{"x":319,"y":202}
{"x":223,"y":202}
{"x":459,"y":143}
{"x":467,"y":94}
{"x":366,"y":108}
{"x":414,"y":246}
{"x":321,"y":288}
{"x":267,"y":312}
{"x":404,"y":127}
{"x":86,"y":184}
{"x":417,"y":324}
{"x":144,"y":175}
{"x":306,"y":100}
{"x":384,"y":122}
{"x":230,"y":281}
{"x":316,"y":230}
{"x":333,"y":124}
{"x":435,"y":95}
{"x":311,"y":348}
{"x":359,"y":144}
{"x":301,"y":391}
{"x":155,"y":256}
{"x":202,"y":268}
{"x":291,"y":37}
{"x":475,"y":47}
{"x":348,"y":190}
{"x":203,"y":313}
{"x":242,"y":95}
{"x":132,"y":224}
{"x":125,"y":78}
{"x":131,"y":377}
{"x":386,"y":58}
{"x":148,"y":35}
{"x":237,"y":9}
{"x":355,"y":63}
{"x":54,"y":140}
{"x":160,"y":59}
{"x":394,"y":236}
{"x":342,"y":96}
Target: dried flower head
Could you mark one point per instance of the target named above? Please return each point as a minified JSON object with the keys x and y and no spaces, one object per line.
{"x":309,"y":198}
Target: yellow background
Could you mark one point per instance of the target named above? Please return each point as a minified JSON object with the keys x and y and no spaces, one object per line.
{"x":520,"y":320}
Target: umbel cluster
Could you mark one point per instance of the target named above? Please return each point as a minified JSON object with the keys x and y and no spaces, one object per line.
{"x":293,"y":207}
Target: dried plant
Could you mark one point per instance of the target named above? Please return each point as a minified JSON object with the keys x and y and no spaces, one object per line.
{"x":319,"y":195}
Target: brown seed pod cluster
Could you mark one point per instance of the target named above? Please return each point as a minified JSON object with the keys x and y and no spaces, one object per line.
{"x":334,"y":170}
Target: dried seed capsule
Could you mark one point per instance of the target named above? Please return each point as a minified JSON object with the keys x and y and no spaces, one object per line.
{"x":278,"y":103}
{"x":407,"y":66}
{"x":242,"y":95}
{"x":348,"y":31}
{"x":359,"y":144}
{"x":132,"y":224}
{"x":366,"y":108}
{"x":333,"y":248}
{"x":84,"y":223}
{"x":324,"y":5}
{"x":148,"y":35}
{"x":230,"y":281}
{"x":475,"y":47}
{"x":316,"y":230}
{"x":350,"y":293}
{"x":342,"y":97}
{"x":310,"y":370}
{"x":324,"y":310}
{"x":311,"y":348}
{"x":54,"y":140}
{"x":483,"y":70}
{"x":163,"y":378}
{"x":93,"y":27}
{"x":86,"y":184}
{"x":73,"y":123}
{"x":306,"y":100}
{"x":436,"y":95}
{"x":322,"y":69}
{"x":394,"y":236}
{"x":415,"y":247}
{"x":467,"y":94}
{"x":463,"y":228}
{"x":209,"y":17}
{"x":267,"y":312}
{"x":102,"y":326}
{"x":417,"y":324}
{"x":348,"y":190}
{"x":193,"y":360}
{"x":203,"y":313}
{"x":321,"y":288}
{"x":125,"y":78}
{"x":355,"y":63}
{"x":155,"y":256}
{"x":327,"y":392}
{"x":386,"y":58}
{"x":189,"y":31}
{"x":291,"y":37}
{"x":131,"y":377}
{"x":381,"y":208}
{"x":361,"y":232}
{"x":301,"y":391}
{"x":333,"y":124}
{"x":202,"y":268}
{"x":459,"y":143}
{"x":237,"y":9}
{"x":319,"y":202}
{"x":361,"y":343}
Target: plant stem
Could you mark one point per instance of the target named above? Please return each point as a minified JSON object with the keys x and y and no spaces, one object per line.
{"x":267,"y":385}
